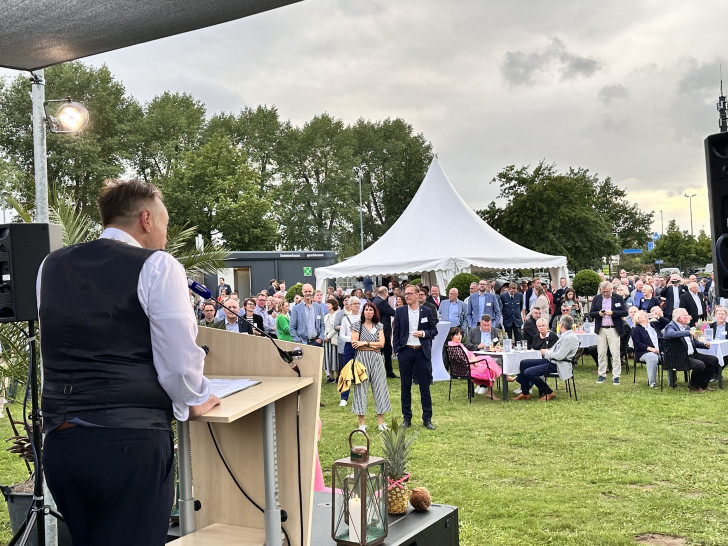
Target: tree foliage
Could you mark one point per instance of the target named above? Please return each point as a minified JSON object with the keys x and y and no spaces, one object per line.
{"x":586,"y":282}
{"x":462,"y":282}
{"x":394,"y":161}
{"x":214,"y":189}
{"x":573,"y":214}
{"x":677,"y":248}
{"x":169,"y":127}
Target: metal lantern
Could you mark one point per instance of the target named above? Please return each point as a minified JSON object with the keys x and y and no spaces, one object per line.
{"x":359,"y":497}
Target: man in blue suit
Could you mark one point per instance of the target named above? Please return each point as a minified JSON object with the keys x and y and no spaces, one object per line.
{"x":453,"y":310}
{"x":512,"y":302}
{"x":483,"y":302}
{"x":414,"y":329}
{"x":704,"y":367}
{"x":307,"y":319}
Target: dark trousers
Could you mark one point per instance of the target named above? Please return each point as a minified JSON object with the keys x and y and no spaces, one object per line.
{"x":387,"y":352}
{"x":414,"y":366}
{"x":113,"y":486}
{"x":703,"y":367}
{"x":531,"y":372}
{"x":514,"y":332}
{"x":346,"y":356}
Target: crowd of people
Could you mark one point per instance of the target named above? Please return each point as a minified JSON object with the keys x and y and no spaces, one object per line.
{"x":368,"y":325}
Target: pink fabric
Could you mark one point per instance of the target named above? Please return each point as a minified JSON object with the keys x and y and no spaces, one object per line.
{"x":318,"y":478}
{"x":483,"y":369}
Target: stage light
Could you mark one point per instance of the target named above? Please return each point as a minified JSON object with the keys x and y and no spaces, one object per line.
{"x":70,"y":117}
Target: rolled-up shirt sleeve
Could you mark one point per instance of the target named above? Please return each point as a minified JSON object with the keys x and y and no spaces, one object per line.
{"x":179,"y":362}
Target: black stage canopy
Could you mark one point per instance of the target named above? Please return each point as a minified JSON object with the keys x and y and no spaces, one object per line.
{"x":39,"y":33}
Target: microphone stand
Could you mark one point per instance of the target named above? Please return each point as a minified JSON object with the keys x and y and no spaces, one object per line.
{"x":39,"y":510}
{"x":286,"y":356}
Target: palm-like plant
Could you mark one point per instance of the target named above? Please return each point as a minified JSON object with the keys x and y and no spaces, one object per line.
{"x":78,"y":227}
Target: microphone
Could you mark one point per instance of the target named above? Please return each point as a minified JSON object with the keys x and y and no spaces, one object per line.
{"x":286,"y":356}
{"x":199,"y":289}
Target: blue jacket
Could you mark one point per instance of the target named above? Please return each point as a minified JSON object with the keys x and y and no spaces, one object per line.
{"x":298,"y":327}
{"x":491,"y":307}
{"x":400,"y":329}
{"x":512,"y":309}
{"x":462,"y":320}
{"x":673,"y":330}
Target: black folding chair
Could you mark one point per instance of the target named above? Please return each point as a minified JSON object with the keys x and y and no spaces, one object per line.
{"x":673,"y":358}
{"x":555,"y":375}
{"x":459,"y":369}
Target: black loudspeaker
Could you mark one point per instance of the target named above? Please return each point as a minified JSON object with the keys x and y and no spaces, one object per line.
{"x":22,"y":249}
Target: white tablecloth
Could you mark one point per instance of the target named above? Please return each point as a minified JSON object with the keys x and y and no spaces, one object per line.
{"x":718,"y":349}
{"x":587,"y":340}
{"x":512,"y":360}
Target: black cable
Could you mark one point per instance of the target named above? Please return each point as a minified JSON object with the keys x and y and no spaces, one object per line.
{"x":214,"y":441}
{"x":237,"y":483}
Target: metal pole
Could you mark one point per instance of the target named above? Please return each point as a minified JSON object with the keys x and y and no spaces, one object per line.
{"x":40,"y":155}
{"x":270,"y":478}
{"x":361,"y":208}
{"x":186,"y":501}
{"x":662,"y":224}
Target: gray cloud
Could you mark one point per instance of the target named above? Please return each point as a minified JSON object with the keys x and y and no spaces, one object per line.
{"x":519,"y":68}
{"x":610,"y":93}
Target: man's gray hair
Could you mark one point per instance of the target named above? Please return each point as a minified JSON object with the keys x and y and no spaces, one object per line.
{"x":567,"y":321}
{"x":542,"y":321}
{"x":678,"y":312}
{"x":382,"y":291}
{"x":605,"y":284}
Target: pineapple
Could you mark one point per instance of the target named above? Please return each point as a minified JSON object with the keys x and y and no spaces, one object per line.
{"x":396,"y":451}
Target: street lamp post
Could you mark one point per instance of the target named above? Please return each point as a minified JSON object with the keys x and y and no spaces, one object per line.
{"x":360,"y":175}
{"x":690,"y":198}
{"x":662,"y":224}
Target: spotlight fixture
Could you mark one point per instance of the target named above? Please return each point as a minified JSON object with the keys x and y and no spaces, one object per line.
{"x":70,"y":117}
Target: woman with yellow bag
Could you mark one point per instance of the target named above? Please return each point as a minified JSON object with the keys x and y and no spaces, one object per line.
{"x":367,"y":337}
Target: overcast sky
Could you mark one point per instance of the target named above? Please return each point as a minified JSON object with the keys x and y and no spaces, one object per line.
{"x":625,"y":89}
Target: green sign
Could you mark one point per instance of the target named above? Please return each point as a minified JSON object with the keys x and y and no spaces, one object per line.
{"x":307,"y":271}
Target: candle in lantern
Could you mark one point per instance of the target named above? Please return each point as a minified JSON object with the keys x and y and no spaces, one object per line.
{"x":355,"y":519}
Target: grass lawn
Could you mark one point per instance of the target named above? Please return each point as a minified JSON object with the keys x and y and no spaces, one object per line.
{"x":619,"y":463}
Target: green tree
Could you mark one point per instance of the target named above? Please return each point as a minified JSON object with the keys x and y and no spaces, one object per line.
{"x":214,"y":189}
{"x":259,"y":133}
{"x":317,"y":197}
{"x":170,"y":126}
{"x":677,"y":248}
{"x":395,"y":161}
{"x":573,"y":214}
{"x":77,"y":164}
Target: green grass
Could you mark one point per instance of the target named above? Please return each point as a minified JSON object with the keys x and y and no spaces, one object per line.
{"x":620,"y":462}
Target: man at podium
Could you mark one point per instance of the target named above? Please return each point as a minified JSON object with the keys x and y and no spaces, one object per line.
{"x":119,"y":359}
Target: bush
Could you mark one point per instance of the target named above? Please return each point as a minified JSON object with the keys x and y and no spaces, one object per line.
{"x":462,"y":281}
{"x":586,"y":282}
{"x":292,"y":291}
{"x":416,"y":281}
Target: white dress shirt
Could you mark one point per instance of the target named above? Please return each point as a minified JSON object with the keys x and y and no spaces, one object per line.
{"x":163,"y":294}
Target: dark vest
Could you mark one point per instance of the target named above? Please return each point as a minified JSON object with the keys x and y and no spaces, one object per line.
{"x":96,"y":342}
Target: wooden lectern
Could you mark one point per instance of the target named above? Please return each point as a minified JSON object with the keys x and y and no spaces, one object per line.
{"x":245,"y":423}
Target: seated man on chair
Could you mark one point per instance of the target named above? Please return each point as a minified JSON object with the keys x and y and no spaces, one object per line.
{"x":483,"y":336}
{"x":533,"y":370}
{"x":704,"y":367}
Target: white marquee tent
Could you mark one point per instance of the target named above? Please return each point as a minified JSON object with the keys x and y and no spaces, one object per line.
{"x":438,"y":236}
